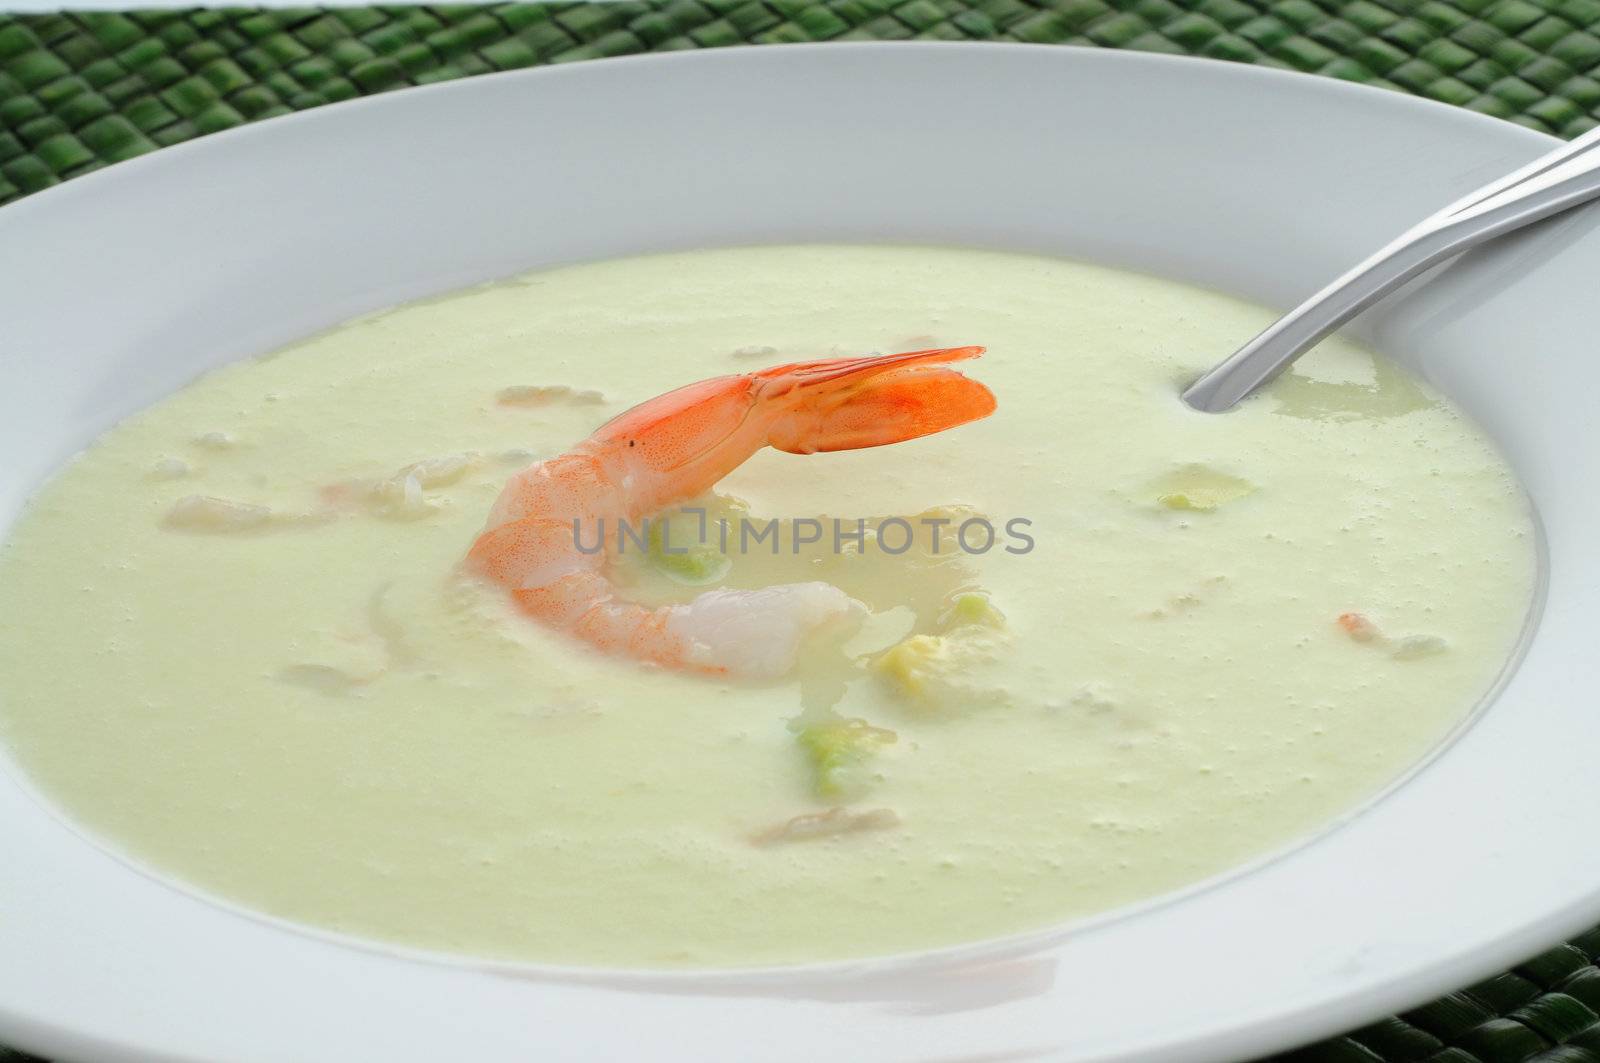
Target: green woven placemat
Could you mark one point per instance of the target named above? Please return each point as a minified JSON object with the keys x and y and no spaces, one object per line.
{"x":79,"y":91}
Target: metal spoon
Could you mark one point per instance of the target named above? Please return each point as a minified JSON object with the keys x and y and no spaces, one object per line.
{"x":1552,"y":183}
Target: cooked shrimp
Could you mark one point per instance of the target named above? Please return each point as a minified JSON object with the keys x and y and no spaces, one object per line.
{"x":675,"y":447}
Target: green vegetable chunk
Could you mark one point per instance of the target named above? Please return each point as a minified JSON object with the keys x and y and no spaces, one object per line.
{"x":688,"y":560}
{"x":972,"y":608}
{"x":1199,"y":487}
{"x":839,"y":751}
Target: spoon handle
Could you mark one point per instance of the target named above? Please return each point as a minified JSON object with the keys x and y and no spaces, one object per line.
{"x":1554,"y":182}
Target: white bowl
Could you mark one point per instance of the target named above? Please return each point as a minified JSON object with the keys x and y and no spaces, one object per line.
{"x":117,"y":288}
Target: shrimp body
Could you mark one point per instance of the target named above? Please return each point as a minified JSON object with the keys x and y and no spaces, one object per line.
{"x":539,"y":540}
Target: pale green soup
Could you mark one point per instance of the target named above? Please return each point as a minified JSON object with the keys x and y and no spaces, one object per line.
{"x":303,"y":708}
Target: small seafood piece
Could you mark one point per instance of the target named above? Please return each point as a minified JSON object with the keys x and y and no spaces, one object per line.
{"x":1413,"y":646}
{"x":675,"y":447}
{"x":400,"y":496}
{"x":834,"y":821}
{"x":209,"y":514}
{"x":1359,"y":627}
{"x":1405,"y":648}
{"x":1096,"y":697}
{"x":438,"y":472}
{"x":215,"y":441}
{"x":548,"y":395}
{"x":170,"y":469}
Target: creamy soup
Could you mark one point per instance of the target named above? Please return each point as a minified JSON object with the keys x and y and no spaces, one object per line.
{"x":236,"y":642}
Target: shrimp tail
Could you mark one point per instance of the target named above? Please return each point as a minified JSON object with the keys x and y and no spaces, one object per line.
{"x":852,"y":403}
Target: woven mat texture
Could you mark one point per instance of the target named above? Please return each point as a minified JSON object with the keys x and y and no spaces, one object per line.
{"x":79,"y":91}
